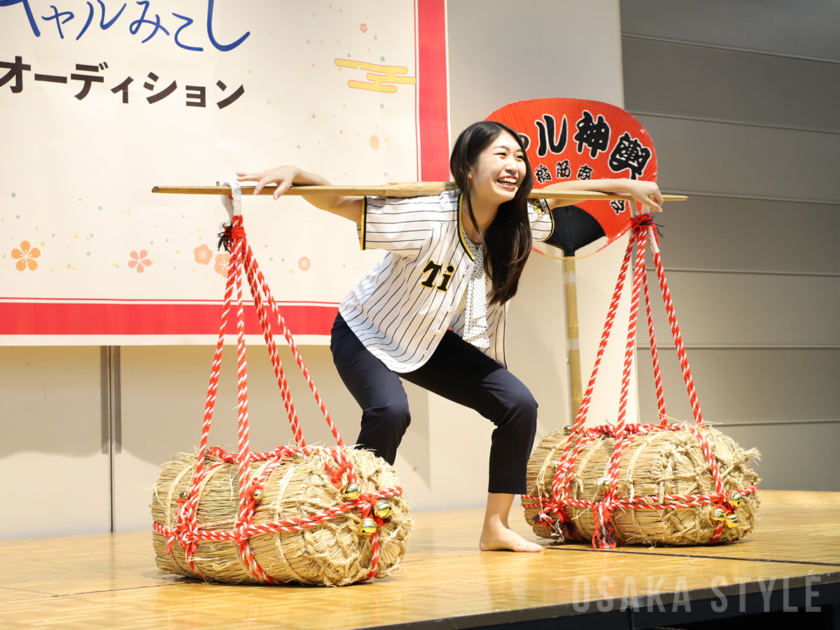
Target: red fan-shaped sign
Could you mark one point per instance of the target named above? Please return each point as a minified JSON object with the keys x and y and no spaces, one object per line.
{"x":576,"y":139}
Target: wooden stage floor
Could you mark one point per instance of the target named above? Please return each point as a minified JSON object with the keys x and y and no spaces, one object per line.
{"x":111,"y":581}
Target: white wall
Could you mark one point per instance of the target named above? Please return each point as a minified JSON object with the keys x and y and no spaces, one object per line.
{"x":55,"y":479}
{"x":494,"y":60}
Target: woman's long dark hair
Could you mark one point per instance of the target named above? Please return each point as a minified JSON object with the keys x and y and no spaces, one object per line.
{"x":508,"y":239}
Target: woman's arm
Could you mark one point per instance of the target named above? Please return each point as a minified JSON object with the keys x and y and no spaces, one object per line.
{"x":646,"y":193}
{"x":284,"y":176}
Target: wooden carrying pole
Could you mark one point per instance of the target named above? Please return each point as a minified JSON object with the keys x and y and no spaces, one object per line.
{"x":406,"y":189}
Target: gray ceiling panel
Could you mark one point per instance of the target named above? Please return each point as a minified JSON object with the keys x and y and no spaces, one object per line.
{"x":793,"y":457}
{"x":708,"y":83}
{"x":751,"y":309}
{"x":726,"y":158}
{"x":747,"y":385}
{"x":781,"y":26}
{"x":726,"y":233}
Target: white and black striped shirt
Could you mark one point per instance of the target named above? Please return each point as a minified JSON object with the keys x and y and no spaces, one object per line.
{"x":402,"y":307}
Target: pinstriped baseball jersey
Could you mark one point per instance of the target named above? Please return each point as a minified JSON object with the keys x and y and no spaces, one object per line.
{"x":402,"y":307}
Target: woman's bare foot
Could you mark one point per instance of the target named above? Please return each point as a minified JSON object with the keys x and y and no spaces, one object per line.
{"x":502,"y":538}
{"x":497,"y":534}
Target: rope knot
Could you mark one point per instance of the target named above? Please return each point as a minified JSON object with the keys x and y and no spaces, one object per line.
{"x":229,"y":234}
{"x":606,"y":430}
{"x":560,"y":527}
{"x":644,"y":220}
{"x":221,"y":454}
{"x":604,"y":529}
{"x":544,"y":515}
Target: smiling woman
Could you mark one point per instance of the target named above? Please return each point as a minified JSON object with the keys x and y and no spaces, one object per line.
{"x":432,"y":312}
{"x":490,"y":161}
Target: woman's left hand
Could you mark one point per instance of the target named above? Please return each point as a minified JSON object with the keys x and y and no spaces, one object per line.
{"x":646,"y":193}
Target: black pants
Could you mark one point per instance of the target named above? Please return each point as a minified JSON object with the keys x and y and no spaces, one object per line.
{"x":457,"y":371}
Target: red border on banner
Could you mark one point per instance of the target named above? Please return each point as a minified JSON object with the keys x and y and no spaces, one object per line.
{"x":48,"y":316}
{"x":84,"y":318}
{"x":433,"y":111}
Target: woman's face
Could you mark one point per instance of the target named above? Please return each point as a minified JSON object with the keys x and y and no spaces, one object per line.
{"x":498,"y":171}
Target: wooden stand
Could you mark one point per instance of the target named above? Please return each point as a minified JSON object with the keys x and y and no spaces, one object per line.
{"x":573,"y":333}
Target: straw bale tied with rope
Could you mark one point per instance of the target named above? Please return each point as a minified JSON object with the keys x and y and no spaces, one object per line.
{"x":334,"y":552}
{"x":307,"y":514}
{"x":641,"y":483}
{"x":655,"y":466}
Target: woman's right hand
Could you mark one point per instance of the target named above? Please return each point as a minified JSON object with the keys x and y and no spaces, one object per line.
{"x":283,"y":176}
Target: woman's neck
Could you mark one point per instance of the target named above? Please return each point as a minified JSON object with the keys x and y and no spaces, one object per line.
{"x":484,"y":211}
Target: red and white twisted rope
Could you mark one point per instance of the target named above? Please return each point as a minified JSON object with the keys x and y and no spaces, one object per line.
{"x":293,"y":346}
{"x":630,"y":345}
{"x":563,"y":478}
{"x":678,"y":341}
{"x":602,"y":516}
{"x":279,"y":372}
{"x":666,"y":502}
{"x":654,"y":353}
{"x":624,"y":432}
{"x":186,"y":532}
{"x":296,"y":524}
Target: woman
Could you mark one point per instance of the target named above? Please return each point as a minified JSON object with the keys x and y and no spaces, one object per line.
{"x":432,"y":311}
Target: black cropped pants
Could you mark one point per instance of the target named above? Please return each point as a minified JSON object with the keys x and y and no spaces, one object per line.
{"x":457,"y":371}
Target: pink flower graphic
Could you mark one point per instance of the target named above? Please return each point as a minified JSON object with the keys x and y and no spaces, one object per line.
{"x":363,"y":28}
{"x":25,"y":256}
{"x":139,"y":260}
{"x":221,"y":266}
{"x":304,"y":263}
{"x":203,"y":255}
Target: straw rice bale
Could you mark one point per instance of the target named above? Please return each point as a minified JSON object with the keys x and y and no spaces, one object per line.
{"x":653,"y":465}
{"x":333,"y":553}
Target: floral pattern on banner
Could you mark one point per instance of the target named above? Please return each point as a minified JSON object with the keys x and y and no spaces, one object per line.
{"x":139,"y":260}
{"x":221,"y":266}
{"x":26,"y":257}
{"x":203,"y":255}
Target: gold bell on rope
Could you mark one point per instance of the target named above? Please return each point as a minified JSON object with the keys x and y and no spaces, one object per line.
{"x":736,"y":499}
{"x":184,"y":495}
{"x":719,"y":515}
{"x":297,"y":458}
{"x":258,"y":495}
{"x":604,"y":482}
{"x":351,"y":491}
{"x":382,"y":509}
{"x":731,"y":520}
{"x":368,"y":527}
{"x":567,"y":430}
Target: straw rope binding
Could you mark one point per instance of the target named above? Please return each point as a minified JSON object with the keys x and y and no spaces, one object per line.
{"x":304,"y":529}
{"x":308,"y":514}
{"x":641,"y":483}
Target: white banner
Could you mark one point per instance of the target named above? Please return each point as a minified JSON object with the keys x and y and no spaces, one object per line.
{"x":103,"y":100}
